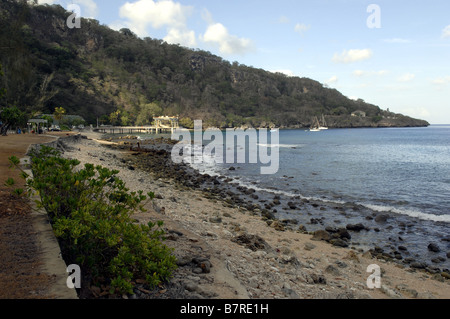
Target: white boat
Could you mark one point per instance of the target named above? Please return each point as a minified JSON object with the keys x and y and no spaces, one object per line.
{"x":315,"y":127}
{"x":323,"y":125}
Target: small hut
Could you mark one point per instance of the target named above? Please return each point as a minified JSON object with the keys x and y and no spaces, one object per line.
{"x":36,"y":125}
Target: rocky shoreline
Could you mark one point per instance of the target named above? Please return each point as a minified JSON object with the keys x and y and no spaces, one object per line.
{"x":229,"y":248}
{"x":154,"y":157}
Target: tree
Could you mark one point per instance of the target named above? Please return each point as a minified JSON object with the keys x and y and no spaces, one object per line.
{"x":125,"y":118}
{"x":104,"y":119}
{"x":127,"y":32}
{"x":114,"y":118}
{"x":147,"y":112}
{"x":2,"y":90}
{"x":186,"y":122}
{"x":10,"y":117}
{"x":59,"y":113}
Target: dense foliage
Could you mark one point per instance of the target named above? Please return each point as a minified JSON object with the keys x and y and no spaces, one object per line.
{"x":10,"y":117}
{"x":94,"y":71}
{"x":90,"y":210}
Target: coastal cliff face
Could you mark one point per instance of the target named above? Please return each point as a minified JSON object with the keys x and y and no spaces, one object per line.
{"x":382,"y":121}
{"x":94,"y":71}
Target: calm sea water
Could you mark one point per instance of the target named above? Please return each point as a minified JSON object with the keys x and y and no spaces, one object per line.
{"x":401,"y":172}
{"x":404,"y":170}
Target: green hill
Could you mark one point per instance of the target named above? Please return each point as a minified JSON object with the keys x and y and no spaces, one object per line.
{"x":95,"y":72}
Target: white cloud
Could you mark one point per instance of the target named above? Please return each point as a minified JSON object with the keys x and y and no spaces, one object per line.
{"x":181,"y":36}
{"x":89,"y":8}
{"x":218,"y":35}
{"x":301,"y":28}
{"x":352,"y":56}
{"x":207,"y":16}
{"x":442,"y":80}
{"x":360,"y":73}
{"x":142,"y":14}
{"x":382,"y":72}
{"x":283,"y":20}
{"x":157,"y":14}
{"x":332,"y":80}
{"x":446,"y":32}
{"x":285,"y":72}
{"x":407,"y":77}
{"x":117,"y":25}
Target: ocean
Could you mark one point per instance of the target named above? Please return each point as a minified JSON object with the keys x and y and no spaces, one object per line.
{"x":337,"y":177}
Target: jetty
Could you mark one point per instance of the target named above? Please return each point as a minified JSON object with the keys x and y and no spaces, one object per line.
{"x":163,"y":124}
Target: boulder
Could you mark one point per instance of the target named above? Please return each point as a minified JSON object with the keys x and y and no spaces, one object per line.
{"x":309,"y":246}
{"x":357,"y":227}
{"x":332,"y":270}
{"x":418,"y":265}
{"x":292,"y":205}
{"x":215,"y":219}
{"x":339,"y":242}
{"x":302,"y":229}
{"x":252,"y":242}
{"x":343,"y":233}
{"x":321,"y":235}
{"x":318,"y":279}
{"x":434,"y":248}
{"x":277,"y":225}
{"x":381,"y":218}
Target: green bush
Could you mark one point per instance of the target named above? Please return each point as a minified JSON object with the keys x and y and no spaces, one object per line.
{"x":90,"y":210}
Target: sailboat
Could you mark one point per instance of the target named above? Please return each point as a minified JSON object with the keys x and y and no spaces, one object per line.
{"x":315,"y":126}
{"x":323,"y":125}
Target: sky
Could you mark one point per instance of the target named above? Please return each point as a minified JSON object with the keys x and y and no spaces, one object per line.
{"x":391,"y":53}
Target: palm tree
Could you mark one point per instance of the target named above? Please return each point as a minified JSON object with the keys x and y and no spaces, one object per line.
{"x":59,"y":113}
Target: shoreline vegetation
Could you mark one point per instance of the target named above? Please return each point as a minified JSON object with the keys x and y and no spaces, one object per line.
{"x":89,"y":209}
{"x":224,"y":250}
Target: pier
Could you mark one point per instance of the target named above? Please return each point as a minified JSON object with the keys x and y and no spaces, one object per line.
{"x":158,"y":128}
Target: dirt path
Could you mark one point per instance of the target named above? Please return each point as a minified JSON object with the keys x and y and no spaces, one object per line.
{"x":23,"y":273}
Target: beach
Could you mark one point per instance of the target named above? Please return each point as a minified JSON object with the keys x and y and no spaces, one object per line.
{"x":227,"y":251}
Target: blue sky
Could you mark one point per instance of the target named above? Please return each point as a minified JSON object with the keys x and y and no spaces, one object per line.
{"x":392,"y":53}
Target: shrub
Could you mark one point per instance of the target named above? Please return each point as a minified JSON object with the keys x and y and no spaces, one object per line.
{"x":90,"y":211}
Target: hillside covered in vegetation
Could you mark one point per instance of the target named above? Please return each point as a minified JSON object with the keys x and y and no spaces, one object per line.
{"x":115,"y":76}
